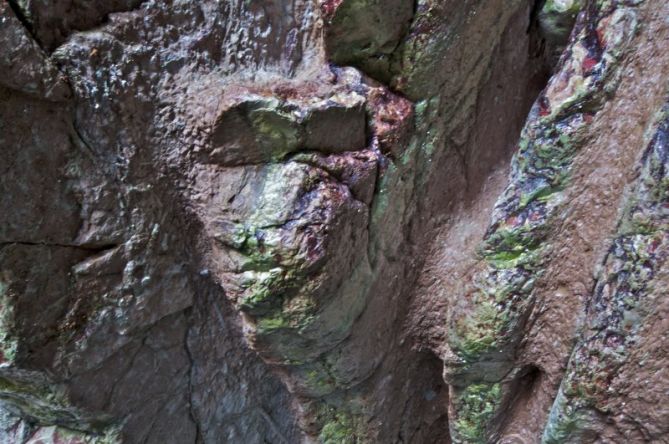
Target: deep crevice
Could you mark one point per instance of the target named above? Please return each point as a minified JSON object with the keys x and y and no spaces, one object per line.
{"x":521,"y":390}
{"x":18,"y":12}
{"x":191,"y":369}
{"x":94,"y":249}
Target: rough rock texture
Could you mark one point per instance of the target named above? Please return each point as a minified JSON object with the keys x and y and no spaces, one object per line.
{"x":334,"y":221}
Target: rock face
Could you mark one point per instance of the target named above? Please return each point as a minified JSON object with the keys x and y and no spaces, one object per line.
{"x":336,"y":221}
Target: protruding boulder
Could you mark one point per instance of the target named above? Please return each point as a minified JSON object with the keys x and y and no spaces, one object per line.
{"x":254,"y":128}
{"x":53,"y":21}
{"x":365,"y":33}
{"x":335,"y":127}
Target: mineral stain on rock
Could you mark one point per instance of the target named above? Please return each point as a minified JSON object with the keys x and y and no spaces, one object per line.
{"x":336,"y":221}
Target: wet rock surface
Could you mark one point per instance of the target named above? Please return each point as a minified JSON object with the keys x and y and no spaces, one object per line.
{"x":337,"y":221}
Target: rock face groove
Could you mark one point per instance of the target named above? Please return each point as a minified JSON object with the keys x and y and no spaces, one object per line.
{"x":334,"y":221}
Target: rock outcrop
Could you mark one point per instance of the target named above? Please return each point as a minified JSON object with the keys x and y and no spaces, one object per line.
{"x":337,"y":221}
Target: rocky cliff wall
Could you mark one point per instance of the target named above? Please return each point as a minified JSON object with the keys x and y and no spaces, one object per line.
{"x":333,"y":221}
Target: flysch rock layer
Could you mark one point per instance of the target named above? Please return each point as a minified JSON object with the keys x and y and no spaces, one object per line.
{"x":293,"y":222}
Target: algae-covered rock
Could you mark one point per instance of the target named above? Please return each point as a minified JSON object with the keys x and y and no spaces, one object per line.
{"x":257,"y":129}
{"x":557,"y":18}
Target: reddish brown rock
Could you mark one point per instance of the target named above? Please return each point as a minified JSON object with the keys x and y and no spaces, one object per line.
{"x":294,"y":222}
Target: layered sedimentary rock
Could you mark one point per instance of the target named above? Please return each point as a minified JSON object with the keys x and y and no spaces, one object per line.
{"x":333,"y":221}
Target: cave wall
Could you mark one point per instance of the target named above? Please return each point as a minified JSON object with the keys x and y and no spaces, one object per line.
{"x":333,"y":221}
